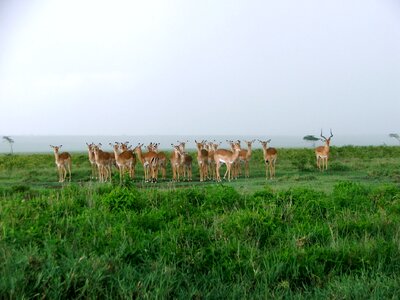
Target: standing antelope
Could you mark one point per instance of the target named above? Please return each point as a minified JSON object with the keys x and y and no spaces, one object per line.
{"x":244,"y":156}
{"x":270,"y":156}
{"x":125,"y":147}
{"x":149,"y":161}
{"x":186,"y":162}
{"x":63,"y":162}
{"x":322,"y":152}
{"x":202,"y":159}
{"x":175,"y":160}
{"x":92,"y":160}
{"x":228,"y":158}
{"x":104,"y":162}
{"x":125,"y":159}
{"x":162,"y":159}
{"x":212,"y":147}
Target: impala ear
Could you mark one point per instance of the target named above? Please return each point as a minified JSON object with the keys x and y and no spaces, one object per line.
{"x":60,"y":146}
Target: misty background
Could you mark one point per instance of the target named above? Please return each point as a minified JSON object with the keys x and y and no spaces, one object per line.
{"x":200,"y":68}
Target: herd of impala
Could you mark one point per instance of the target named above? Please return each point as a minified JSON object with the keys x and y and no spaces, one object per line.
{"x":209,"y":158}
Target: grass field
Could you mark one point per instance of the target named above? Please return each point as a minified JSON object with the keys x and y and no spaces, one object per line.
{"x":304,"y":234}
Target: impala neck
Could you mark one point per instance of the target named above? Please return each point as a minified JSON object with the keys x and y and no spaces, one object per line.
{"x":56,"y":155}
{"x":249,"y":150}
{"x":236,"y":153}
{"x":140,"y":154}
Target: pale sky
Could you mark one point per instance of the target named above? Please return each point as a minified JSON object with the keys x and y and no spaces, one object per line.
{"x":287,"y":67}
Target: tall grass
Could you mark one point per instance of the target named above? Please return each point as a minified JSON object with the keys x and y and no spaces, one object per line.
{"x":201,"y":242}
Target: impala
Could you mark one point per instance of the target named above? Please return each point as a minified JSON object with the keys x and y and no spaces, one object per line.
{"x":63,"y":162}
{"x":322,"y":152}
{"x":270,"y":156}
{"x":104,"y":161}
{"x":125,"y":147}
{"x":149,"y":161}
{"x":244,"y":156}
{"x":236,"y":164}
{"x":92,"y":160}
{"x":125,"y":159}
{"x":162,"y":159}
{"x":228,"y":158}
{"x":212,"y":147}
{"x":186,"y":162}
{"x":202,"y":159}
{"x":175,"y":160}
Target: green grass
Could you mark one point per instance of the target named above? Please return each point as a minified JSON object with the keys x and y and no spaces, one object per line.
{"x":305,"y":234}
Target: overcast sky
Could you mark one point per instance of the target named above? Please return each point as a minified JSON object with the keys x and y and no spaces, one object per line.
{"x":265,"y":67}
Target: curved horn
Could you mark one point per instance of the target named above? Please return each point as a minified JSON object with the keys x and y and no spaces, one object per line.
{"x":323,"y":136}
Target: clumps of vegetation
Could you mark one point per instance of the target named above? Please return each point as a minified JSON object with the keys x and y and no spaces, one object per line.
{"x":303,"y":160}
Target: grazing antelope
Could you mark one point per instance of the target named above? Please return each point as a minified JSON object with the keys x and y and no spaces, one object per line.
{"x":104,"y":161}
{"x":270,"y":156}
{"x":186,"y":162}
{"x":175,"y":160}
{"x":92,"y":160}
{"x":125,"y":159}
{"x":322,"y":152}
{"x":202,"y":159}
{"x":149,"y":161}
{"x":228,"y":158}
{"x":63,"y":162}
{"x":244,"y":156}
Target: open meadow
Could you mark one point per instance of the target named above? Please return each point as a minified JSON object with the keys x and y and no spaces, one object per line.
{"x":304,"y":234}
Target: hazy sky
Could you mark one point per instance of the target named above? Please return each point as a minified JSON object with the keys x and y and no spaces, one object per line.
{"x":286,"y":67}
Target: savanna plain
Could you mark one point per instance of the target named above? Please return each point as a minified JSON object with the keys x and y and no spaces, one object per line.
{"x":304,"y":234}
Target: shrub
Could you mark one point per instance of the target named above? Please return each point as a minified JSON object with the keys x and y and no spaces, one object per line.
{"x":122,"y":198}
{"x":222,"y":197}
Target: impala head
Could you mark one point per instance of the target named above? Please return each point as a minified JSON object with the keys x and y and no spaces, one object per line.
{"x":326,"y":140}
{"x":216,"y":145}
{"x":249,"y":143}
{"x":56,"y":148}
{"x":200,"y":145}
{"x":182,"y":145}
{"x":176,"y":149}
{"x":124,"y":146}
{"x":264,"y":144}
{"x":115,"y":146}
{"x":90,"y":147}
{"x":95,"y":149}
{"x":138,"y":148}
{"x":236,"y":147}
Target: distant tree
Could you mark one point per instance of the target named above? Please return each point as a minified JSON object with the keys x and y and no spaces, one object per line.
{"x":311,"y":138}
{"x":10,"y":141}
{"x":396,"y":136}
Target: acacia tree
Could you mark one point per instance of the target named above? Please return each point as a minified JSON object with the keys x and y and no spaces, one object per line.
{"x":10,"y":141}
{"x":395,"y":135}
{"x":311,"y":138}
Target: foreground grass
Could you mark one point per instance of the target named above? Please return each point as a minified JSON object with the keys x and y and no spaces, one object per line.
{"x":305,"y":234}
{"x":207,"y":242}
